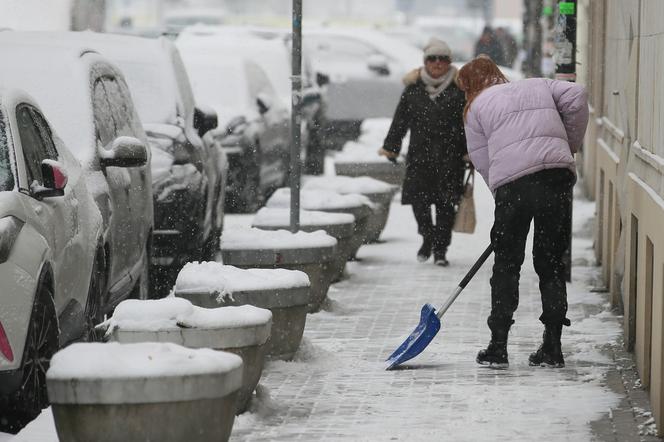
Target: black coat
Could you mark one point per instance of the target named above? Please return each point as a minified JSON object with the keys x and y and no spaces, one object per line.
{"x":434,"y":165}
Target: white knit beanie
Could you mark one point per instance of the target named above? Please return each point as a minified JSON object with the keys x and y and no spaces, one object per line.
{"x":436,"y":46}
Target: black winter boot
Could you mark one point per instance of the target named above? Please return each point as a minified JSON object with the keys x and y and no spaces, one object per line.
{"x":495,"y":355}
{"x":549,"y":354}
{"x":425,"y":251}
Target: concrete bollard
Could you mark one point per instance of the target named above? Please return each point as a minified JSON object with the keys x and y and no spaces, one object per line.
{"x":243,"y":331}
{"x":311,"y":253}
{"x":138,"y":392}
{"x":284,"y":292}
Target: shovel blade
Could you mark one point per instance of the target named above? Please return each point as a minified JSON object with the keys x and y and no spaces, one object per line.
{"x":418,"y":340}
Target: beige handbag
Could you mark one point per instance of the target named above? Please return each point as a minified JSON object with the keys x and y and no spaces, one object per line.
{"x":465,"y":217}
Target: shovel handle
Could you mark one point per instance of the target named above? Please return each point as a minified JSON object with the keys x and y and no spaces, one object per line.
{"x":476,"y":266}
{"x":465,"y":281}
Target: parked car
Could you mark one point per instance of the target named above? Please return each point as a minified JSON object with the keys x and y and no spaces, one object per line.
{"x":363,"y":69}
{"x":188,"y":169}
{"x":271,"y":48}
{"x":86,"y":99}
{"x":254,"y":123}
{"x":51,"y":255}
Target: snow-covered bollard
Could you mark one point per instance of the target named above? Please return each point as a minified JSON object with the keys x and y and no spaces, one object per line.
{"x":284,"y":292}
{"x":379,"y":192}
{"x":243,"y":331}
{"x":149,"y":391}
{"x":328,"y":201}
{"x":356,"y":159}
{"x":339,"y":225}
{"x":311,"y":253}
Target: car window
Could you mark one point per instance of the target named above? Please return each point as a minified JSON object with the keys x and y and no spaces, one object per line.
{"x":46,"y":134}
{"x":34,"y":148}
{"x":6,"y":175}
{"x":121,"y":107}
{"x":104,"y":123}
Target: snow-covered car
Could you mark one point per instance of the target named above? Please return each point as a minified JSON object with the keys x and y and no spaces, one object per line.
{"x":254,"y":123}
{"x":175,"y":20}
{"x":51,"y":254}
{"x":87,"y":101}
{"x":188,"y":169}
{"x":364,"y":68}
{"x":271,"y":48}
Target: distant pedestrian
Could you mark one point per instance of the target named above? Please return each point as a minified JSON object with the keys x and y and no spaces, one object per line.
{"x":522,"y":137}
{"x":431,"y":107}
{"x":489,"y":45}
{"x":508,"y":43}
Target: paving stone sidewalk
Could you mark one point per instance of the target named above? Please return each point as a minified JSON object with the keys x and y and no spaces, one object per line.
{"x":337,"y":389}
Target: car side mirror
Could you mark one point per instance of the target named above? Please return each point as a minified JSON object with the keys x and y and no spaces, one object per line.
{"x":310,"y":96}
{"x":55,"y":180}
{"x":124,"y":152}
{"x":378,"y":63}
{"x":235,"y":124}
{"x":264,"y":103}
{"x":205,"y":119}
{"x":322,"y":79}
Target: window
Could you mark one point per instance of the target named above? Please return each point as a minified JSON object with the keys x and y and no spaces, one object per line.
{"x":121,"y":106}
{"x":6,"y":175}
{"x":35,"y":150}
{"x":46,"y":135}
{"x":104,"y":124}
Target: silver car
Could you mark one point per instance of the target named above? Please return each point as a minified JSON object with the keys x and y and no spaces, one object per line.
{"x":88,"y":103}
{"x":51,"y":252}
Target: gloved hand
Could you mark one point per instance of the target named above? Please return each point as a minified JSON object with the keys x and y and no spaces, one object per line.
{"x":392,"y":156}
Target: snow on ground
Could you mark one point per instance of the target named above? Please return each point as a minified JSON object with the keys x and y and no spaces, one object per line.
{"x":336,"y":388}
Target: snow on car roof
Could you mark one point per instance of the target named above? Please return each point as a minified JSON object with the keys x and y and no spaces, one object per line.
{"x":47,"y":68}
{"x":148,"y":70}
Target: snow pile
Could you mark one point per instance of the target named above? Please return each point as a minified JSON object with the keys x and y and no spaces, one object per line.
{"x":365,"y":149}
{"x":319,"y":199}
{"x":250,"y":238}
{"x":173,"y":313}
{"x":226,"y":279}
{"x":143,"y":360}
{"x":277,"y":217}
{"x":346,"y":184}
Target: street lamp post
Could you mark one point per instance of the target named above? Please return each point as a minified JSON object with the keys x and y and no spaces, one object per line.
{"x":296,"y":100}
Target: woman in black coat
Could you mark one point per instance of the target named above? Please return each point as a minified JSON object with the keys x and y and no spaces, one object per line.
{"x":431,"y":107}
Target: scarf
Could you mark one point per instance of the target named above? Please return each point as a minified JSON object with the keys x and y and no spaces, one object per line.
{"x":435,"y":86}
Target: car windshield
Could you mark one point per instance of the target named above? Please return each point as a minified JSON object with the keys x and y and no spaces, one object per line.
{"x":6,"y":175}
{"x":218,"y":85}
{"x":153,"y":90}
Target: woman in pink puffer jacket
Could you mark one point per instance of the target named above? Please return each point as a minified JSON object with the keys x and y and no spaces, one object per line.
{"x":521,"y":138}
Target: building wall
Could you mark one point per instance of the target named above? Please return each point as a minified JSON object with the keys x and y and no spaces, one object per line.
{"x":625,"y":153}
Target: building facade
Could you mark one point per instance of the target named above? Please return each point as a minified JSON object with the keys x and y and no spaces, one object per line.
{"x":621,"y":60}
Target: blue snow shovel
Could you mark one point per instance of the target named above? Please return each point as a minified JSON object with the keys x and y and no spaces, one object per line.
{"x":429,"y":324}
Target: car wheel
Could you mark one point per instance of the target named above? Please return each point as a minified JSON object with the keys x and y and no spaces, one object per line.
{"x":94,"y":313}
{"x":41,"y":343}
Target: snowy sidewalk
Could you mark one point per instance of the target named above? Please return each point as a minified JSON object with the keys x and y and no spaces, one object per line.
{"x":337,"y":389}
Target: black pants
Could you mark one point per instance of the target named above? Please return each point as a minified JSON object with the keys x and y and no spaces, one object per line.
{"x":440,"y":233}
{"x":546,"y":197}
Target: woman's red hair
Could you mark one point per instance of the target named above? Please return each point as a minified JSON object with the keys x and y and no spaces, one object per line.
{"x":477,"y":75}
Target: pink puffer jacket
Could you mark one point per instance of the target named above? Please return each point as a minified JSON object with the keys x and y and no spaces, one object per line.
{"x":519,"y":128}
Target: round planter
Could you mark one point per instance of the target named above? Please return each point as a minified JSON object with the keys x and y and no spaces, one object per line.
{"x":150,"y":391}
{"x":332,"y":202}
{"x":340,"y":226}
{"x":379,"y":192}
{"x":284,"y":292}
{"x":247,"y":250}
{"x":243,"y":331}
{"x":383,"y":170}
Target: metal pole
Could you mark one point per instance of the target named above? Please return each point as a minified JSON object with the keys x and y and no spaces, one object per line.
{"x":565,"y":57}
{"x":296,"y":98}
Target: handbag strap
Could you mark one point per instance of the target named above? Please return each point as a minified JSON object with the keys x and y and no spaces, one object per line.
{"x":470,"y":179}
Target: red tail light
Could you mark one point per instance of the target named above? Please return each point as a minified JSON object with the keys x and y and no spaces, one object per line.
{"x":5,"y":347}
